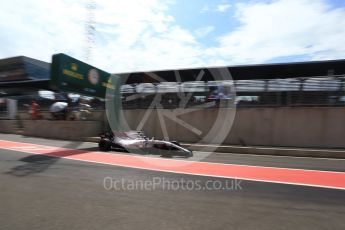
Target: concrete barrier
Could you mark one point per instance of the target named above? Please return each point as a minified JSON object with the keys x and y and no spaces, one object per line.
{"x":95,"y":115}
{"x":316,"y":127}
{"x":8,"y":126}
{"x":299,"y":127}
{"x":202,"y":120}
{"x":68,"y":130}
{"x":289,"y":127}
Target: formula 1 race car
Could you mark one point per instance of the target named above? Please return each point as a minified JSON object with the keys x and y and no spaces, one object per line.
{"x":137,"y":142}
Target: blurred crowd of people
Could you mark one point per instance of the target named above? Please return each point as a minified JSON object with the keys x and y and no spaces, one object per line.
{"x":63,"y":110}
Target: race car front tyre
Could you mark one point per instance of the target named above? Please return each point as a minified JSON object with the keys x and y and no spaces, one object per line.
{"x":190,"y":154}
{"x":104,"y":146}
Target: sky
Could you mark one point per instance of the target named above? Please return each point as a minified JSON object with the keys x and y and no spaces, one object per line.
{"x":141,"y":35}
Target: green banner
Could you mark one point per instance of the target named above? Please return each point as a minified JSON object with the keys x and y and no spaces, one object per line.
{"x":71,"y":75}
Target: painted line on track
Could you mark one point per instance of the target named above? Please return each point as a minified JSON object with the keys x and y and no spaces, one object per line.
{"x":314,"y":178}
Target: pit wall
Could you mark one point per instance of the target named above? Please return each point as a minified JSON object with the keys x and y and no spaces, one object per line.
{"x":96,"y":115}
{"x":66,"y":130}
{"x":286,"y":127}
{"x":45,"y":127}
{"x":8,"y":126}
{"x":293,"y":127}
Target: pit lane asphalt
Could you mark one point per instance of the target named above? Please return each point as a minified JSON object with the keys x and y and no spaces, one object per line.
{"x":42,"y":192}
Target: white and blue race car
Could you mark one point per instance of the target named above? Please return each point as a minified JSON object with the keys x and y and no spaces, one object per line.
{"x":137,"y":142}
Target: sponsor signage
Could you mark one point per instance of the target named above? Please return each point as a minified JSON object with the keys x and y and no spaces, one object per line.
{"x":72,"y":75}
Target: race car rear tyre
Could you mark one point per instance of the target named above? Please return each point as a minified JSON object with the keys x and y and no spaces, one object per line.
{"x":104,"y":146}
